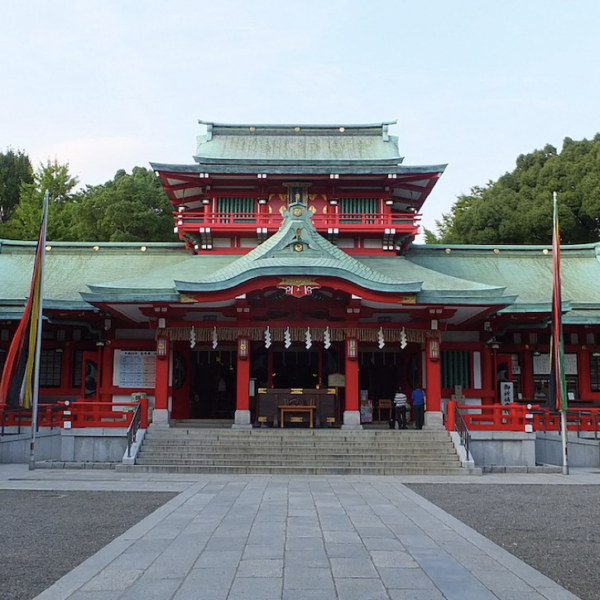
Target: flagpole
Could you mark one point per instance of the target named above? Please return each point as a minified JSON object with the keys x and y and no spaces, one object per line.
{"x":558,"y":348}
{"x":38,"y":343}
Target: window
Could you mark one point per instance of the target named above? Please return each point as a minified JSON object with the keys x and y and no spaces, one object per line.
{"x":77,"y":368}
{"x":595,"y":371}
{"x":353,"y":209}
{"x":242,"y":210}
{"x":2,"y":360}
{"x":50,"y":368}
{"x":456,"y":369}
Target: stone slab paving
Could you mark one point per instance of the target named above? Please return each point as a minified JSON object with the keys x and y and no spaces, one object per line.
{"x":287,"y":538}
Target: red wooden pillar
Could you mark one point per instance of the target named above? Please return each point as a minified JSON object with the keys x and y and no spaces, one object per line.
{"x":351,"y":408}
{"x":161,"y":391}
{"x":433,"y":415}
{"x":583,"y":360}
{"x":487,"y":384}
{"x":242,"y":406}
{"x":527,"y":375}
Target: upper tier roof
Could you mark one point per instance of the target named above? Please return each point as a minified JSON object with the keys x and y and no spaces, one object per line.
{"x":225,"y":143}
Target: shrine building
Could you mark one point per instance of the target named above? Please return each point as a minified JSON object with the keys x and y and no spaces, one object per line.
{"x":297,"y":276}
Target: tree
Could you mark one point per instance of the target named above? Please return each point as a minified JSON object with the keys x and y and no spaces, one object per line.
{"x":24,"y":223}
{"x":129,"y":208}
{"x":517,"y":209}
{"x":15,"y":169}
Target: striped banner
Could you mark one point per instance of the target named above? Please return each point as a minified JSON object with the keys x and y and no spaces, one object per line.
{"x":17,"y":376}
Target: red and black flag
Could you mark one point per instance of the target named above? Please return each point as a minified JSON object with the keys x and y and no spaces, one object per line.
{"x":557,"y":392}
{"x":17,"y":377}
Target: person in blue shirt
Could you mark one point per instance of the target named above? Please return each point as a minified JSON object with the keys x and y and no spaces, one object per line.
{"x":418,"y":402}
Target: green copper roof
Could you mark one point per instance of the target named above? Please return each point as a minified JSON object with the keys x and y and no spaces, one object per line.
{"x":298,"y":143}
{"x":525,"y":271}
{"x":298,"y":249}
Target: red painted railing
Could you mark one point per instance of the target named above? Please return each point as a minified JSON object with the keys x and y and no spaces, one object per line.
{"x":517,"y":417}
{"x":78,"y":414}
{"x":239,"y":220}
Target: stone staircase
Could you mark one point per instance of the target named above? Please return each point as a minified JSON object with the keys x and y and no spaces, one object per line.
{"x":297,"y":451}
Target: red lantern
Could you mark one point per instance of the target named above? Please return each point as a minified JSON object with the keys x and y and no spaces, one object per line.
{"x":243,"y":348}
{"x":352,"y":348}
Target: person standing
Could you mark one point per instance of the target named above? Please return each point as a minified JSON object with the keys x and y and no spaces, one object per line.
{"x":418,"y":402}
{"x":400,"y":409}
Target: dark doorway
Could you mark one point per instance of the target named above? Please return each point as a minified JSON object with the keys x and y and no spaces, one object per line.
{"x":213,"y":384}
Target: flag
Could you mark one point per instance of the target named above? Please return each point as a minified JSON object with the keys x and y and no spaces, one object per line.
{"x":17,"y":377}
{"x":557,"y":393}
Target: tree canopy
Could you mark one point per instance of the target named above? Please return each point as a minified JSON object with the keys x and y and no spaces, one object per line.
{"x":129,"y":208}
{"x":517,"y":209}
{"x":15,"y":169}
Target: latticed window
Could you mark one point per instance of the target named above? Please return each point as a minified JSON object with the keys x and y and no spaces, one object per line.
{"x":242,"y":210}
{"x":456,"y":369}
{"x":353,"y":209}
{"x":50,"y":368}
{"x":77,"y":368}
{"x":595,"y":372}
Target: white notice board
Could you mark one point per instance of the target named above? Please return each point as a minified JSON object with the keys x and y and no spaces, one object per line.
{"x":541,"y":366}
{"x":134,"y":369}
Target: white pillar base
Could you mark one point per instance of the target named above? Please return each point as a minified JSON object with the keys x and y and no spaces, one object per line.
{"x":242,"y":420}
{"x":352,"y":420}
{"x":160,"y":417}
{"x":433,"y":420}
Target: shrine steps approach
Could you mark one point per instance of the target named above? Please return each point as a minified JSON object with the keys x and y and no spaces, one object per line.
{"x":297,"y":451}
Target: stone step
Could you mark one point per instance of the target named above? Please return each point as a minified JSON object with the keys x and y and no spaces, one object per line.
{"x":232,"y":453}
{"x":292,"y":462}
{"x":291,"y":433}
{"x":325,"y":447}
{"x":305,"y":470}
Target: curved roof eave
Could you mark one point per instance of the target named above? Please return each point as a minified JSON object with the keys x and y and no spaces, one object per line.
{"x":254,"y":272}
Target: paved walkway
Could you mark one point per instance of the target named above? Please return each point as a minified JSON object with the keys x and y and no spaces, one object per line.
{"x":294,"y":537}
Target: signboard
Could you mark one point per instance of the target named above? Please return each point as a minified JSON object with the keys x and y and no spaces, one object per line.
{"x":506,"y":392}
{"x":336,"y":380}
{"x":134,"y":369}
{"x":541,"y":365}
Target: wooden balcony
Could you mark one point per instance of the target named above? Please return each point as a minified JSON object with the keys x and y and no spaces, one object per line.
{"x":249,"y":222}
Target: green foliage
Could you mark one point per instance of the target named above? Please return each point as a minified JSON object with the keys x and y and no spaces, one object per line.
{"x":517,"y":209}
{"x":25,"y":221}
{"x":15,"y":169}
{"x":129,"y":208}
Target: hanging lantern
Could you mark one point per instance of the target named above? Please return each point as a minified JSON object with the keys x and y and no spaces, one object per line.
{"x":161,"y":348}
{"x":434,"y":349}
{"x":243,"y":348}
{"x":352,"y":348}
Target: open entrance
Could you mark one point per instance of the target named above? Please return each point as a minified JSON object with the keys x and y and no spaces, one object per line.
{"x":212,"y":383}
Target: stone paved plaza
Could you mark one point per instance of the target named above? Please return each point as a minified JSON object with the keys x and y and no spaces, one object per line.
{"x":293,"y":537}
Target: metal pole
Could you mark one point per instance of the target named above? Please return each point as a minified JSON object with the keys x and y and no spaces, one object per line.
{"x":563,"y":435}
{"x":38,"y":344}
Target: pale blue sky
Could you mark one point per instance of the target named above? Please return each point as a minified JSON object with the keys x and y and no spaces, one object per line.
{"x":112,"y":84}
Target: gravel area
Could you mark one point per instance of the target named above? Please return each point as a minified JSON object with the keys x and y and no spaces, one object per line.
{"x":43,"y":535}
{"x":553,"y":528}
